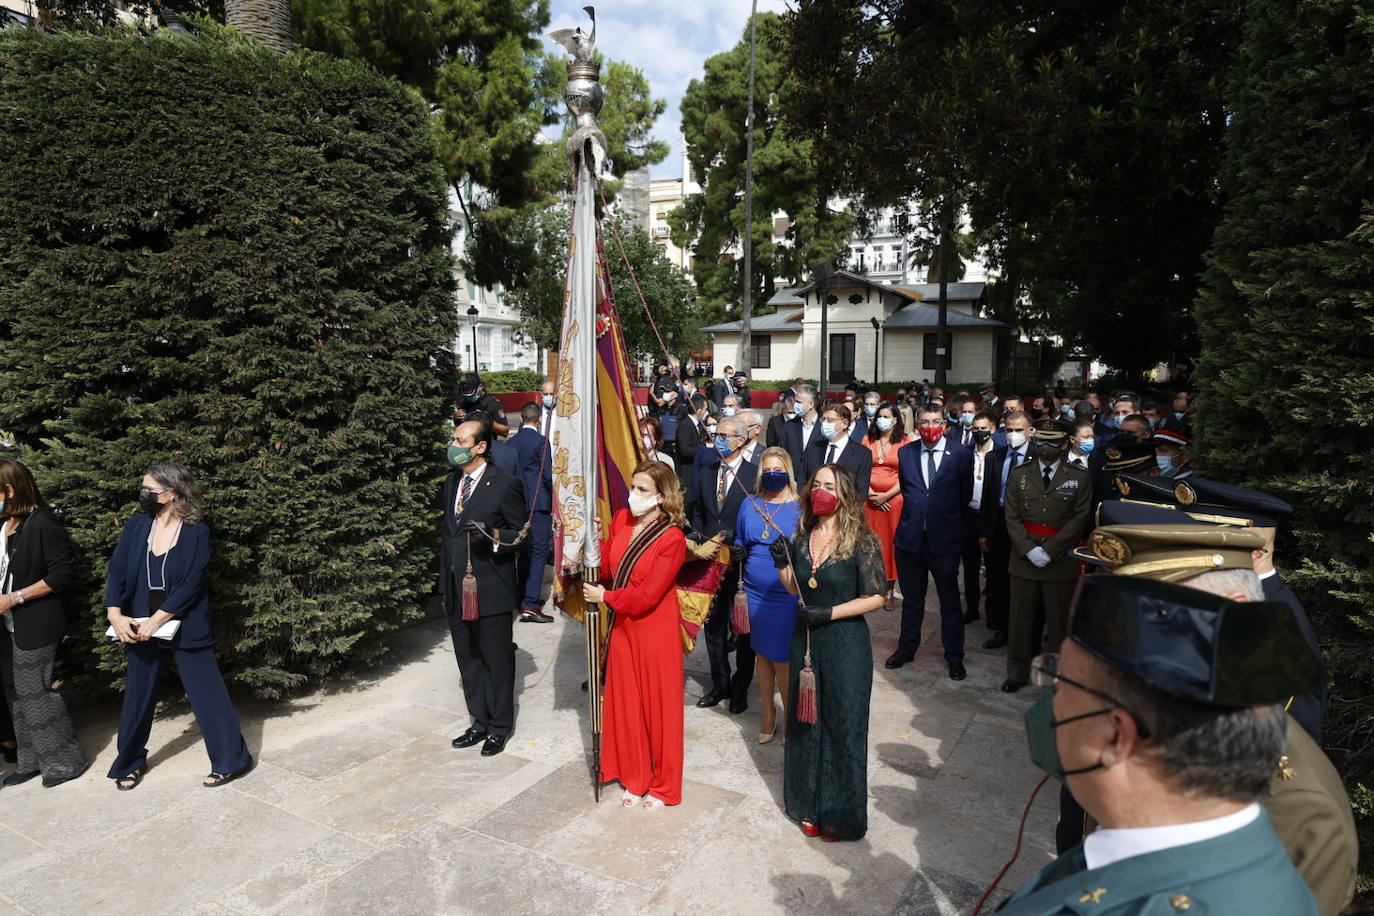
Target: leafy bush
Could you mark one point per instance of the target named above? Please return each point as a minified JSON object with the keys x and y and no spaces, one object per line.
{"x":512,"y":380}
{"x":213,"y":255}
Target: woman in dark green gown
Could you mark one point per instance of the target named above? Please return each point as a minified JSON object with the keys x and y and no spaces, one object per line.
{"x":837,"y":568}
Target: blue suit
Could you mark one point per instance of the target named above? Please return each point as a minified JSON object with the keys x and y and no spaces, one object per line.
{"x":535,"y":467}
{"x":929,"y":542}
{"x":186,"y":597}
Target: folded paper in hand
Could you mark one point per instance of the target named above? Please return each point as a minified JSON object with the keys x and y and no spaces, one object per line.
{"x":166,"y":631}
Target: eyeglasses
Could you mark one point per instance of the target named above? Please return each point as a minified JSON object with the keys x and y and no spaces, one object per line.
{"x":1045,"y":673}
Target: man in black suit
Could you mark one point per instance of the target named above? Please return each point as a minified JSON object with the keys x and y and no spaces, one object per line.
{"x":984,"y":488}
{"x":480,"y":501}
{"x":717,"y":491}
{"x":723,"y":387}
{"x":804,"y":427}
{"x":992,"y":523}
{"x":936,"y":478}
{"x":691,"y":433}
{"x":777,"y":429}
{"x":834,"y":446}
{"x":858,"y":431}
{"x":535,"y":466}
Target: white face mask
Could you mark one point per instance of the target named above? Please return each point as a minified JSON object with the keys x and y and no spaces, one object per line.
{"x":641,"y":502}
{"x":727,"y":411}
{"x":549,"y":400}
{"x":1016,"y":439}
{"x":884,"y":424}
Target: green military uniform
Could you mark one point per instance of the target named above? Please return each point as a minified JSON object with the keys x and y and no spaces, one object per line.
{"x":1051,"y":518}
{"x":1243,"y":872}
{"x":1307,"y":803}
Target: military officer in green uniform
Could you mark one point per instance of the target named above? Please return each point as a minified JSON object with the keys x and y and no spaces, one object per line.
{"x":1165,"y":718}
{"x":1307,"y":802}
{"x":1047,"y":506}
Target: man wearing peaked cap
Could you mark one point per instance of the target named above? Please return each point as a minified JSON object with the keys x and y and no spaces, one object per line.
{"x":1255,"y":511}
{"x":1306,"y":802}
{"x":1047,"y":507}
{"x":1173,"y":442}
{"x":1165,"y":720}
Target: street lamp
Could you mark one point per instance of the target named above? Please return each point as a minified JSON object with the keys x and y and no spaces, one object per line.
{"x":877,"y":365}
{"x":823,"y":270}
{"x":472,"y":323}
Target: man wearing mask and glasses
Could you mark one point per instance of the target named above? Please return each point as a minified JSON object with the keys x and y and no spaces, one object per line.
{"x":992,"y":524}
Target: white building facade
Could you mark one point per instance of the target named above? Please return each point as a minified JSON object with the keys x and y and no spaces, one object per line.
{"x":485,"y":318}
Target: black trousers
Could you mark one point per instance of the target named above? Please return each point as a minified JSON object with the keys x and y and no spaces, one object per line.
{"x":486,"y":662}
{"x":999,"y":582}
{"x":6,"y":726}
{"x":972,"y":562}
{"x":718,"y":644}
{"x":914,"y":570}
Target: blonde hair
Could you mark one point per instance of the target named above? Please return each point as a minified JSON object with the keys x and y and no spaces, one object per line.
{"x":774,"y":451}
{"x":669,"y":490}
{"x":849,"y":513}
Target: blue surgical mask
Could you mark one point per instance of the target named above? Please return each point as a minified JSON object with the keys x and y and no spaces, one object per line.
{"x":722,"y":444}
{"x":1086,"y":446}
{"x":884,"y":424}
{"x":1166,"y":465}
{"x":871,"y":409}
{"x":773,"y":481}
{"x":549,"y":400}
{"x":799,"y":409}
{"x":828,"y":429}
{"x":966,"y":419}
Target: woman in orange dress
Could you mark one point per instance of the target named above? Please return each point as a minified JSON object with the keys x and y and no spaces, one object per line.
{"x":884,"y":504}
{"x":641,"y":743}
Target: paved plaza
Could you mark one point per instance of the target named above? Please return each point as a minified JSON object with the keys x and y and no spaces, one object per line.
{"x":359,"y":804}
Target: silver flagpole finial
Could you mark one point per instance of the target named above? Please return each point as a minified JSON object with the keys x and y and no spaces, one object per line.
{"x":584,"y":96}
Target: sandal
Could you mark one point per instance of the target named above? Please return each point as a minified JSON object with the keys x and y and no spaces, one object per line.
{"x":653,"y":804}
{"x":215,"y":780}
{"x":129,"y":781}
{"x":629,"y":799}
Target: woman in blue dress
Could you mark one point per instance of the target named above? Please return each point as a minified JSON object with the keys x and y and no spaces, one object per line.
{"x":773,"y":514}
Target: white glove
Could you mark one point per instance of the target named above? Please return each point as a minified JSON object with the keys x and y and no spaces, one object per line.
{"x":1039,"y":557}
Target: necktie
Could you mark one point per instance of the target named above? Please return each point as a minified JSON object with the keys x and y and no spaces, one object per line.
{"x":1013,"y":459}
{"x":930,"y":466}
{"x":830,"y":455}
{"x":720,"y":486}
{"x":1047,"y":480}
{"x":464,"y":492}
{"x":968,"y":437}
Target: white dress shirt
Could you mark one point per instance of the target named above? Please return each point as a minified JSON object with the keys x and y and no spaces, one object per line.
{"x":838,"y":445}
{"x":1104,"y":847}
{"x":476,"y":476}
{"x":980,"y":457}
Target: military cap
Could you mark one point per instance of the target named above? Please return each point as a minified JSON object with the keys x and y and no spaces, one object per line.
{"x":1048,"y":429}
{"x":1208,"y":500}
{"x":1125,"y":453}
{"x":1174,"y":432}
{"x":470,"y":383}
{"x":1127,"y":512}
{"x":1194,"y":645}
{"x":1169,"y":552}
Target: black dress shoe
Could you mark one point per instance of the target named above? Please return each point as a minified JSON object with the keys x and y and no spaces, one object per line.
{"x":469,"y":738}
{"x":534,"y":615}
{"x":956,"y":671}
{"x":971,"y":617}
{"x":999,"y":639}
{"x":50,"y":782}
{"x":710,"y":699}
{"x":1010,"y":686}
{"x":18,"y":779}
{"x":897,"y":660}
{"x":738,"y":706}
{"x":494,"y":745}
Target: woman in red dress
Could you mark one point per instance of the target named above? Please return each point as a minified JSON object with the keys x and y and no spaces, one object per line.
{"x":641,"y":743}
{"x":884,"y":504}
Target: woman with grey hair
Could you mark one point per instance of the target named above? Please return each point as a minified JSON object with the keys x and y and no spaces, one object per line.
{"x":158,"y":603}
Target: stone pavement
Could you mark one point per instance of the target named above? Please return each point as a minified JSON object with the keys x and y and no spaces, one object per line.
{"x":359,"y":804}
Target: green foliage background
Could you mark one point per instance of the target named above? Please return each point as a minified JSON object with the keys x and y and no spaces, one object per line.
{"x":1287,"y":326}
{"x":213,"y":255}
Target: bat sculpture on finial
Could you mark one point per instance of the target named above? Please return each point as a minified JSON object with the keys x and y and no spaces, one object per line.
{"x":584,"y":97}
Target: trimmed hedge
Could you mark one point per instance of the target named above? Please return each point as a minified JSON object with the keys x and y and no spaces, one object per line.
{"x":214,"y":255}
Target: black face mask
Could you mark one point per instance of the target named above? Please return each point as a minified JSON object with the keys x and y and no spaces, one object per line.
{"x":1036,"y":413}
{"x":1048,"y":450}
{"x":147,"y":501}
{"x":981,"y":436}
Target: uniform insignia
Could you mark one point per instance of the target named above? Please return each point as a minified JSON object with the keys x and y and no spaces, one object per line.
{"x":1185,"y":494}
{"x":1181,"y":902}
{"x":1094,"y":896}
{"x":1123,"y":485}
{"x":1109,"y":548}
{"x":1113,"y":453}
{"x":1069,"y":485}
{"x":1286,"y":772}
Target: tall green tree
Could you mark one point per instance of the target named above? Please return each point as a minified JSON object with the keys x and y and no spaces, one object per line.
{"x":786,"y":178}
{"x":668,"y":292}
{"x":1287,"y":325}
{"x":1085,"y":138}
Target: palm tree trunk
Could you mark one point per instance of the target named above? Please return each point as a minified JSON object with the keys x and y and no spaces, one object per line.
{"x":269,"y":21}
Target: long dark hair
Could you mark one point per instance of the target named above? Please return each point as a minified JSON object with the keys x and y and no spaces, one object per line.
{"x":26,"y":498}
{"x":898,"y":428}
{"x":850,"y":512}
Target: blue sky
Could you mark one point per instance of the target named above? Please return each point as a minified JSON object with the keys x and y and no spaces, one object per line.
{"x":669,"y":40}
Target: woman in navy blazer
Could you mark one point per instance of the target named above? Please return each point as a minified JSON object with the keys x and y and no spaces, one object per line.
{"x":156,"y":576}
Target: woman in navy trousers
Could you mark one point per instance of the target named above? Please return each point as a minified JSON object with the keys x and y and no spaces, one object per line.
{"x":157,"y":577}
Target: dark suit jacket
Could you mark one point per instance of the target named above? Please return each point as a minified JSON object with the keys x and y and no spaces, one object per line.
{"x":720,"y":390}
{"x":1308,"y":708}
{"x":859,"y":428}
{"x":188,"y":596}
{"x":689,"y":437}
{"x":792,"y":435}
{"x":855,"y":456}
{"x":777,"y":430}
{"x":496,"y":502}
{"x":705,"y":516}
{"x":535,"y":467}
{"x":42,"y":553}
{"x":504,"y":457}
{"x":935,"y":516}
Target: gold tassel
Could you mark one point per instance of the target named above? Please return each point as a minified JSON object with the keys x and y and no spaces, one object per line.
{"x":469,"y":588}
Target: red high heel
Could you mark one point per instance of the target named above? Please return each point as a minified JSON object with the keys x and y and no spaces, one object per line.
{"x":810,"y":829}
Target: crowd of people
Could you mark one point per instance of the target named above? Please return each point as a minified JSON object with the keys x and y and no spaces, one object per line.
{"x":1184,"y":690}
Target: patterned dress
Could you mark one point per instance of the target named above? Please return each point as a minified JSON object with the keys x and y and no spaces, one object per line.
{"x":826,"y":776}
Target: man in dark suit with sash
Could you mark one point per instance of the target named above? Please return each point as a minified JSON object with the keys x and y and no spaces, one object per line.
{"x":535,"y":466}
{"x":482,"y":502}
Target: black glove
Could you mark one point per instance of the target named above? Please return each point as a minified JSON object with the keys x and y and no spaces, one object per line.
{"x":781,"y":552}
{"x":813,"y":615}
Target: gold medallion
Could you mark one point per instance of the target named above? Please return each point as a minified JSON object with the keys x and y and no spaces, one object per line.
{"x":1185,"y":494}
{"x":812,"y":582}
{"x":765,"y":534}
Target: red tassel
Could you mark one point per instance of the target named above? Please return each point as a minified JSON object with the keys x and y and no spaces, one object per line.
{"x":806,"y":694}
{"x":739,"y":614}
{"x":469,"y":589}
